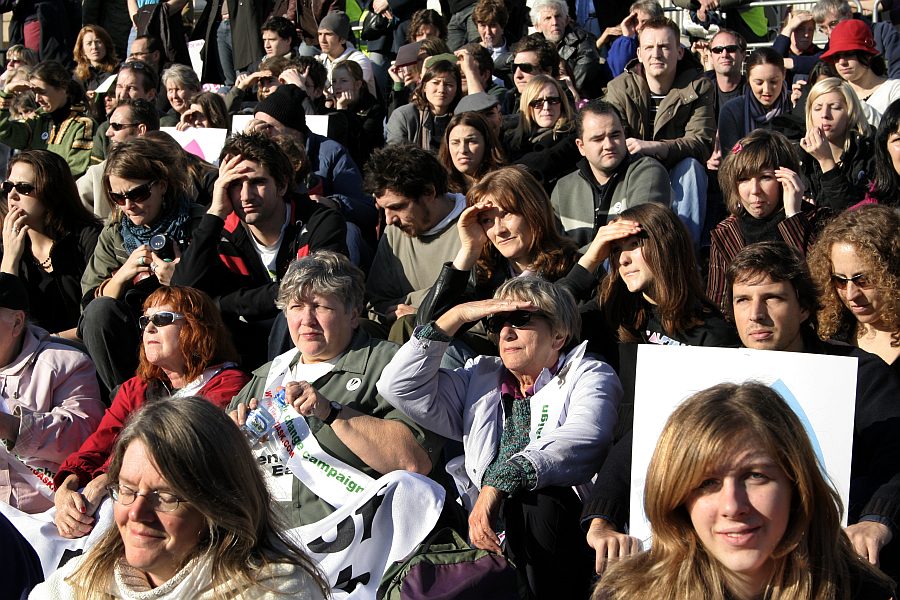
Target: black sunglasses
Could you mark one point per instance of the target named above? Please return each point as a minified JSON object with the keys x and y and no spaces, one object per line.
{"x":539,"y":102}
{"x":730,"y":49}
{"x":120,"y":126}
{"x":526,"y":68}
{"x":516,"y":319}
{"x":160,"y":319}
{"x":26,"y":189}
{"x":861,"y":280}
{"x":137,"y":194}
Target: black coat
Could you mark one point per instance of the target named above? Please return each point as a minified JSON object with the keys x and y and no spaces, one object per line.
{"x":246,"y":17}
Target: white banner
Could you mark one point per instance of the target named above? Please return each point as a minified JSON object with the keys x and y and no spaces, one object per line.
{"x":820,"y":389}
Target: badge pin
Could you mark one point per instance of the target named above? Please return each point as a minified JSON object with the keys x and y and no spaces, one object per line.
{"x":354,"y":384}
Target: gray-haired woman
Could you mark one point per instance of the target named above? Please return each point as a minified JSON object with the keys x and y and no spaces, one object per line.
{"x":534,"y":422}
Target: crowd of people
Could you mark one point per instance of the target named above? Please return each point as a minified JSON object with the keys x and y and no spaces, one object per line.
{"x":446,"y":276}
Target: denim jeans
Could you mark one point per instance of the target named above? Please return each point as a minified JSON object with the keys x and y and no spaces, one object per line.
{"x":224,"y":43}
{"x":689,"y":181}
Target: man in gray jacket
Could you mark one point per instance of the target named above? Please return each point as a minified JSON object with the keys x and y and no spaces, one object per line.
{"x":609,"y":179}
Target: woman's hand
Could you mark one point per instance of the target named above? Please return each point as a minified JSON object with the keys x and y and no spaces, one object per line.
{"x":293,"y":77}
{"x":792,"y":190}
{"x":481,"y":532}
{"x":344,"y":100}
{"x":239,"y":416}
{"x":165,"y":269}
{"x":797,"y":91}
{"x":469,"y":312}
{"x":471,"y":236}
{"x":394,"y":72}
{"x":817,"y":145}
{"x":138,"y":262}
{"x":16,"y":87}
{"x":600,"y":248}
{"x":306,"y":399}
{"x":73,"y":510}
{"x":14,"y":233}
{"x":186,"y":121}
{"x":609,"y":544}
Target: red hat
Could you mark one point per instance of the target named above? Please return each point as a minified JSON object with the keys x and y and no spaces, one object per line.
{"x":851,"y":35}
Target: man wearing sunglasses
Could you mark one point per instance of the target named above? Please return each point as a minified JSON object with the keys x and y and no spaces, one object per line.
{"x":130,"y":119}
{"x":135,"y":80}
{"x":532,"y":55}
{"x":666,"y":106}
{"x":728,"y":50}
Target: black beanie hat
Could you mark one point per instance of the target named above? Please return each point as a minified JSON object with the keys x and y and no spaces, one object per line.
{"x":286,"y":105}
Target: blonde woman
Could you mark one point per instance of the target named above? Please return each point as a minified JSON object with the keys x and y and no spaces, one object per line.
{"x":545,"y":118}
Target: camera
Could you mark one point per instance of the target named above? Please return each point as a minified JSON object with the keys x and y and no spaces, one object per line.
{"x":163,"y":246}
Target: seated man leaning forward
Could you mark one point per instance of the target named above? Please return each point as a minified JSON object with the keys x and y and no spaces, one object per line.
{"x":329,"y":378}
{"x":533,"y":422}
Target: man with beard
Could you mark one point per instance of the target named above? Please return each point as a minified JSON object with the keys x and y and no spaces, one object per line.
{"x":410,"y":186}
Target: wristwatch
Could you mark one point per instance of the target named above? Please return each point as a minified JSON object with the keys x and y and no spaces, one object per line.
{"x":334,"y":408}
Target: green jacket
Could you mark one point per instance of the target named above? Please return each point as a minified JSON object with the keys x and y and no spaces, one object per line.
{"x":351,"y":383}
{"x":72,"y":140}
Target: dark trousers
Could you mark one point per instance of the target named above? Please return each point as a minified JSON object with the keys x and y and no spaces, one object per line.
{"x":109,"y":329}
{"x":547,"y":545}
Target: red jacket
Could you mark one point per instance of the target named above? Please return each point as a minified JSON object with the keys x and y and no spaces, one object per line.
{"x":93,"y":457}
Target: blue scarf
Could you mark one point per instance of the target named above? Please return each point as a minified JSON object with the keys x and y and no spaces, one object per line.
{"x":171,"y":222}
{"x":756,"y":115}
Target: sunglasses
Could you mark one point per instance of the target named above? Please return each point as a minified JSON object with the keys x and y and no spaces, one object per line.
{"x":730,"y":49}
{"x":862,"y":280}
{"x":539,"y":102}
{"x":516,"y":319}
{"x":121,"y":126}
{"x":26,"y":189}
{"x":526,"y":68}
{"x":160,"y":319}
{"x":137,"y":194}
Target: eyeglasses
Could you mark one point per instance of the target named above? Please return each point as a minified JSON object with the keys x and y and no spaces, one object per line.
{"x":156,"y":500}
{"x":160,"y":319}
{"x":516,"y":319}
{"x":136,"y":194}
{"x":121,"y":126}
{"x":539,"y":102}
{"x":526,"y":68}
{"x":26,"y":189}
{"x":827,"y":27}
{"x":730,"y":49}
{"x":861,"y":280}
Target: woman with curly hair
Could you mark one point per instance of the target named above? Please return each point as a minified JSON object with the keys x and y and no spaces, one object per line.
{"x":470,"y":150}
{"x":95,"y":57}
{"x":856,"y":266}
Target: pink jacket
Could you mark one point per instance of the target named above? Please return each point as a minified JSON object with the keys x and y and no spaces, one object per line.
{"x":53,"y":390}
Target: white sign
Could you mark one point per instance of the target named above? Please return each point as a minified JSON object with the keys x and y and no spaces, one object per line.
{"x":820,"y":389}
{"x":203,"y":142}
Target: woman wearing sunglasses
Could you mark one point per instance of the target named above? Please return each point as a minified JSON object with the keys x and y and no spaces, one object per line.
{"x":137,"y":251}
{"x":856,"y":266}
{"x":185,"y":351}
{"x":193,"y":518}
{"x":545,"y":118}
{"x":48,"y":238}
{"x":533,"y":423}
{"x":62,"y":125}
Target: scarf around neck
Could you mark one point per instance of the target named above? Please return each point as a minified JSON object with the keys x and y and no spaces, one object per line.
{"x":171,"y":222}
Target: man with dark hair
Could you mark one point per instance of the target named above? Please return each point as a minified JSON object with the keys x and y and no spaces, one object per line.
{"x":410,"y":185}
{"x":477,"y":66}
{"x":136,"y":79}
{"x":532,"y":55}
{"x":130,"y":119}
{"x":608,"y":178}
{"x":728,"y":49}
{"x":255,"y":226}
{"x":279,"y":36}
{"x":147,"y":49}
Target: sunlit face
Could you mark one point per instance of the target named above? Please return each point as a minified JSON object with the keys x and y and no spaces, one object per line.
{"x":162,"y":345}
{"x":768,"y":315}
{"x":412,"y":216}
{"x":849,"y":67}
{"x":727,"y":62}
{"x":627,"y":256}
{"x":33,"y":208}
{"x":547,"y":113}
{"x":93,"y":48}
{"x":130,"y":85}
{"x":760,"y":194}
{"x":121,"y":117}
{"x":426,"y":31}
{"x":321,"y":326}
{"x":274,"y":44}
{"x":602,"y":142}
{"x":467,"y":147}
{"x":491,"y":34}
{"x":256,"y":197}
{"x":659,"y":51}
{"x":440,"y":91}
{"x":179,"y":97}
{"x":520,"y":76}
{"x":157,"y":543}
{"x":830,"y":113}
{"x":766,"y":81}
{"x":48,"y":97}
{"x":552,"y":24}
{"x":893,"y":148}
{"x":529,"y":349}
{"x":330,"y":42}
{"x":509,"y":232}
{"x":865,"y":301}
{"x":740,"y":512}
{"x":803,"y":36}
{"x":142,"y":213}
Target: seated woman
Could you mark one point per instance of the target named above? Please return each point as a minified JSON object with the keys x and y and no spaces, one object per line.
{"x":62,"y":126}
{"x":365,"y":115}
{"x":856,"y":266}
{"x":766,"y":96}
{"x":837,"y":158}
{"x":739,"y":508}
{"x":191,"y":520}
{"x":95,"y":57}
{"x":422,"y":122}
{"x":545,"y":118}
{"x":182,"y":84}
{"x":206,"y":110}
{"x":851,"y":49}
{"x":48,"y":238}
{"x":886,"y":179}
{"x":147,"y":189}
{"x":470,"y":150}
{"x":764,"y":194}
{"x":514,"y":459}
{"x":186,"y":351}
